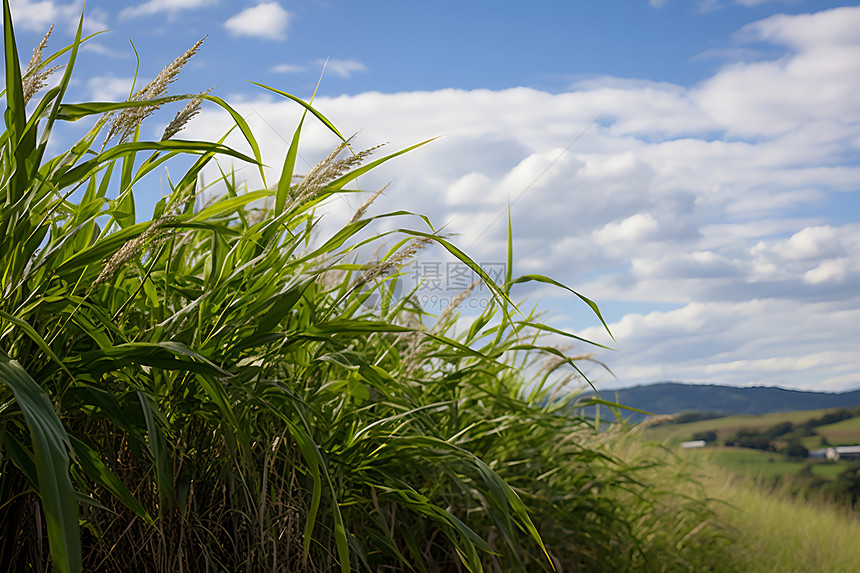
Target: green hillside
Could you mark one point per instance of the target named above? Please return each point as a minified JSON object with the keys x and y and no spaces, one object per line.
{"x":760,"y":464}
{"x":773,"y":450}
{"x":843,"y":433}
{"x":673,"y":434}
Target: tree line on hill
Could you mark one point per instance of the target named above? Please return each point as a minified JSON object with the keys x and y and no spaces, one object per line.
{"x":843,"y":490}
{"x":785,"y":437}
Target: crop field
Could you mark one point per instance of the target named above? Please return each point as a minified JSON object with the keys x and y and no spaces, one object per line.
{"x":673,"y":434}
{"x":844,"y":433}
{"x":757,"y":463}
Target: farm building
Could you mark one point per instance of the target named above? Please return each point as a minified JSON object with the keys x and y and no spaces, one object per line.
{"x":693,"y":444}
{"x":837,"y":453}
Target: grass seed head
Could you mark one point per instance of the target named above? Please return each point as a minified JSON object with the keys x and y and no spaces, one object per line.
{"x":326,"y":171}
{"x":359,"y":213}
{"x":151,"y":238}
{"x":127,"y":252}
{"x":128,"y":119}
{"x":36,"y":76}
{"x":403,"y":257}
{"x":452,"y":306}
{"x":183,"y":117}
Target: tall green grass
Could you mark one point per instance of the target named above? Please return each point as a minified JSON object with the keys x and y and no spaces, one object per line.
{"x":779,"y":533}
{"x":203,"y":388}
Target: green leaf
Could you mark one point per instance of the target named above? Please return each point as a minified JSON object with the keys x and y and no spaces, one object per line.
{"x":50,"y":443}
{"x":84,"y":170}
{"x":351,"y":328}
{"x":23,"y":141}
{"x":547,"y":280}
{"x":338,"y":183}
{"x":33,"y":335}
{"x":285,"y":182}
{"x":158,"y":449}
{"x":307,"y":106}
{"x":155,"y":354}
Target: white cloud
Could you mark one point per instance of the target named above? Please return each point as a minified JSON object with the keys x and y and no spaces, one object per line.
{"x":709,"y":5}
{"x":153,"y":7}
{"x":657,"y":4}
{"x":287,"y":69}
{"x":638,"y":227}
{"x":342,"y":68}
{"x":102,"y":50}
{"x":267,"y":20}
{"x":470,"y":188}
{"x":39,"y":16}
{"x":828,"y":271}
{"x":813,"y":82}
{"x":708,"y":200}
{"x":810,"y":243}
{"x":109,"y":88}
{"x":736,"y":342}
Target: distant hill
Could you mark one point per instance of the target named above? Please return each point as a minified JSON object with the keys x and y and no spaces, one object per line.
{"x":675,"y":397}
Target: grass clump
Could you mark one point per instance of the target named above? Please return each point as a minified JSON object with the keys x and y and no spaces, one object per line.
{"x":206,"y":389}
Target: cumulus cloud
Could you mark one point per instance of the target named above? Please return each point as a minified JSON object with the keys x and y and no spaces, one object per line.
{"x":776,"y":97}
{"x":102,"y":50}
{"x":267,"y":20}
{"x":633,"y":229}
{"x":712,"y":342}
{"x":706,"y":200}
{"x":38,"y":16}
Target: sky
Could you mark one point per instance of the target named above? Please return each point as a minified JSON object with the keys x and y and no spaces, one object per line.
{"x":691,"y":166}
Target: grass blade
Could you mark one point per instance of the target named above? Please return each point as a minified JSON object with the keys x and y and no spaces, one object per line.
{"x":50,"y":445}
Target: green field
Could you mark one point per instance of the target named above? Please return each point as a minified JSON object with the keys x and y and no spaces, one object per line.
{"x":757,"y":463}
{"x":846,"y":432}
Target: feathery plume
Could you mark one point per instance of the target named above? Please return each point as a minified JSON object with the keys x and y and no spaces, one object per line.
{"x":413,"y":339}
{"x":151,"y":238}
{"x":359,"y":213}
{"x":36,"y":76}
{"x":397,"y":261}
{"x":452,"y":306}
{"x":129,"y":250}
{"x":183,"y":117}
{"x":326,"y":171}
{"x":128,"y":119}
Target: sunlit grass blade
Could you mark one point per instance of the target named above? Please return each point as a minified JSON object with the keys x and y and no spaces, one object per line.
{"x":285,"y":182}
{"x":307,"y":107}
{"x":546,"y":280}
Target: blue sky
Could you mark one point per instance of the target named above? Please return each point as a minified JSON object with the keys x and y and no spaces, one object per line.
{"x":693,"y":166}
